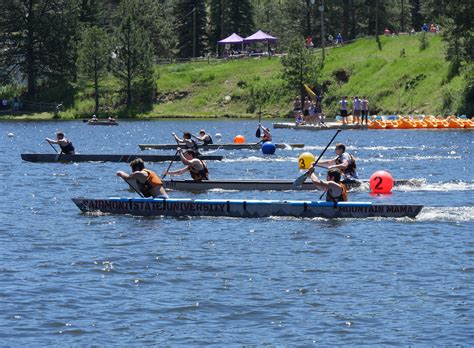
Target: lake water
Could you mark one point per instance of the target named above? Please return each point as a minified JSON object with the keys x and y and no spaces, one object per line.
{"x":72,"y":279}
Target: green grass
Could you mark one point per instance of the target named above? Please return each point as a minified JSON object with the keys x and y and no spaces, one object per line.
{"x":202,"y":89}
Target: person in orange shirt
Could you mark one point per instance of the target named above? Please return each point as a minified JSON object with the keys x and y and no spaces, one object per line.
{"x":149,"y":184}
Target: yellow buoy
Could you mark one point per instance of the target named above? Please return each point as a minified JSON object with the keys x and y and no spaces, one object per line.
{"x":305,"y":160}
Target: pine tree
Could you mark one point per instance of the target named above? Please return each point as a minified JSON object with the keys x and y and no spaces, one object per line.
{"x":133,"y":56}
{"x":93,"y":57}
{"x":38,"y":41}
{"x":300,"y":66}
{"x":191,"y":26}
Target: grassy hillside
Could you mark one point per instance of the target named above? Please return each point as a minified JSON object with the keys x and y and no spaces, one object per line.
{"x":398,"y":78}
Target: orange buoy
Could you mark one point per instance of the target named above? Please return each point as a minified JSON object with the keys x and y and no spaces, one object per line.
{"x":239,"y":139}
{"x":381,"y":182}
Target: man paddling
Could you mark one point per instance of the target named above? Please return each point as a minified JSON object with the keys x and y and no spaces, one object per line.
{"x":196,"y":167}
{"x":335,"y":190}
{"x":344,"y":161}
{"x":187,"y":142}
{"x":150,"y":184}
{"x":204,"y":137}
{"x":66,"y":146}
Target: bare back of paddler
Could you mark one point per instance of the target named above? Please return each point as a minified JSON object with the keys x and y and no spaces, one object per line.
{"x":149,"y":184}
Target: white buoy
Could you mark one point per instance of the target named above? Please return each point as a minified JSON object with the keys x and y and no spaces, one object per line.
{"x":218,"y":136}
{"x":11,"y":135}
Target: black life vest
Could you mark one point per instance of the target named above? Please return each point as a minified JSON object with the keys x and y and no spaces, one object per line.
{"x":199,"y":175}
{"x":351,"y":167}
{"x":67,"y":149}
{"x":207,"y":140}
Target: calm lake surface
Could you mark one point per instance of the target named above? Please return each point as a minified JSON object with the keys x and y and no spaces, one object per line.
{"x":72,"y":279}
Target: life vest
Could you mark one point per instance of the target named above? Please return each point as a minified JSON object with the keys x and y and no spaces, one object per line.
{"x":151,"y":182}
{"x":67,"y":149}
{"x":341,"y":198}
{"x":351,"y":167}
{"x":208,"y":140}
{"x":199,"y":175}
{"x":266,"y":137}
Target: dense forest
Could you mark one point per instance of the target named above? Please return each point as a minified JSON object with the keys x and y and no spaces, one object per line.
{"x":50,"y":50}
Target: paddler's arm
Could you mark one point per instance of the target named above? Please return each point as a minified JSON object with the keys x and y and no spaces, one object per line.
{"x":341,"y":166}
{"x":178,"y":172}
{"x":331,"y":186}
{"x":326,"y":163}
{"x":184,"y":159}
{"x":52,"y":141}
{"x":197,"y":137}
{"x":133,"y":176}
{"x":177,"y":138}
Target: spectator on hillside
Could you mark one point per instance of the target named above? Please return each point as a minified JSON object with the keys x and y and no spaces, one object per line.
{"x":331,"y":39}
{"x":386,"y":32}
{"x":412,"y":32}
{"x":365,"y":110}
{"x":425,"y":27}
{"x":339,"y":39}
{"x":309,"y":42}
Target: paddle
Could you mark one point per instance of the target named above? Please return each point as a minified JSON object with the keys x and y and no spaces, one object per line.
{"x":52,"y":147}
{"x":300,"y":180}
{"x":133,"y":187}
{"x":164,"y":174}
{"x":258,"y":133}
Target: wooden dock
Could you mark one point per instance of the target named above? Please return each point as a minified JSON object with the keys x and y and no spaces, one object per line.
{"x":330,"y":125}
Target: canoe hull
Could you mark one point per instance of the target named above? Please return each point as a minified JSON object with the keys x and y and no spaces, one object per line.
{"x":251,"y":146}
{"x":102,"y":123}
{"x":244,"y":208}
{"x":264,"y":184}
{"x":38,"y":157}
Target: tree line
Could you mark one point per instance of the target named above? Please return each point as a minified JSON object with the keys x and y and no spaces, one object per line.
{"x":56,"y":47}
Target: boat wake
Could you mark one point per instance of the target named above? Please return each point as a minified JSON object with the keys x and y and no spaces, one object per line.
{"x":454,"y":214}
{"x":439,"y":186}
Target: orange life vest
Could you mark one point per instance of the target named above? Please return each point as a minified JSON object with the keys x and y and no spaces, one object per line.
{"x":341,"y":198}
{"x":151,"y":182}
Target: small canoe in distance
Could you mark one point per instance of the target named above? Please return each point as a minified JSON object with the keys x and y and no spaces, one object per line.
{"x":244,"y":208}
{"x":102,"y":123}
{"x":49,"y":157}
{"x":265,"y":184}
{"x":227,"y":146}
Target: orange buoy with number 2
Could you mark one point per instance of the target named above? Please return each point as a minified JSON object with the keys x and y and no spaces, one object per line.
{"x":381,"y":182}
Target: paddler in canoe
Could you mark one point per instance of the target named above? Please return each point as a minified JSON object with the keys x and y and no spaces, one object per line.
{"x":203,"y":137}
{"x":266,"y":136}
{"x":149,"y":184}
{"x":334,"y":189}
{"x":344,"y":161}
{"x":195,"y":166}
{"x":66,"y":146}
{"x":187,"y":142}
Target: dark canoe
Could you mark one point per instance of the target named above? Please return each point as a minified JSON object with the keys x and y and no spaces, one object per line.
{"x":102,"y":123}
{"x":39,"y":157}
{"x":266,"y":184}
{"x":228,"y":146}
{"x":244,"y":208}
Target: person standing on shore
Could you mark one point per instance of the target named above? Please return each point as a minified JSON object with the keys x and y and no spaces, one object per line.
{"x":343,"y":105}
{"x":365,"y":110}
{"x":356,"y":110}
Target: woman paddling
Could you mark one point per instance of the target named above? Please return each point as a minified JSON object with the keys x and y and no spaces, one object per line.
{"x":66,"y":146}
{"x":336,"y":191}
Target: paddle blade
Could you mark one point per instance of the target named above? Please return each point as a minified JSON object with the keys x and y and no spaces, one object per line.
{"x":300,"y":180}
{"x":257,"y":133}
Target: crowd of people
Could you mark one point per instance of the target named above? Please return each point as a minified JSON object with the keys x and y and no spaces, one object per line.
{"x":309,"y":111}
